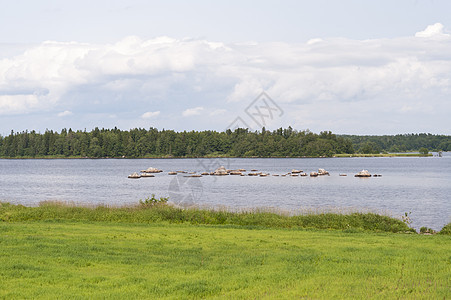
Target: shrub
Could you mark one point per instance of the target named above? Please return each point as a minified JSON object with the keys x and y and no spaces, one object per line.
{"x":424,"y":151}
{"x":424,"y":230}
{"x":446,"y":229}
{"x":153,"y":201}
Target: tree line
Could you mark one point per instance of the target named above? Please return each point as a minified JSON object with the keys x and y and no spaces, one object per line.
{"x":400,"y":143}
{"x":139,"y":143}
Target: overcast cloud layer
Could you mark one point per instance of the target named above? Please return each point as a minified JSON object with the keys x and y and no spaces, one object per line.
{"x":377,"y":86}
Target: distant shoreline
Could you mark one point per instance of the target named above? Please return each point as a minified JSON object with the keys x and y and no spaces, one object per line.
{"x":346,"y":155}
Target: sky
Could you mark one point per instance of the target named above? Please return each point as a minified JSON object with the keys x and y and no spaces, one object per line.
{"x":351,"y":67}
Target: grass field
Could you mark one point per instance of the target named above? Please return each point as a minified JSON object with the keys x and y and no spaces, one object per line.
{"x":154,"y":250}
{"x":64,"y":259}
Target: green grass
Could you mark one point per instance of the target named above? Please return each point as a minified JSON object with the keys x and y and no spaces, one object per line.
{"x":97,"y":260}
{"x":58,"y":251}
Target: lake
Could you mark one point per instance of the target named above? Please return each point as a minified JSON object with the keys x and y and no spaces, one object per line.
{"x":420,"y":185}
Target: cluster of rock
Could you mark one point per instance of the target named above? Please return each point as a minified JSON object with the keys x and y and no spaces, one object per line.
{"x":321,"y":172}
{"x":222,"y":171}
{"x":145,"y":173}
{"x":365,"y":173}
{"x":151,"y":170}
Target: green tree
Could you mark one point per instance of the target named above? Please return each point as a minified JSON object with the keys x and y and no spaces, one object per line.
{"x":424,"y":151}
{"x":370,"y":148}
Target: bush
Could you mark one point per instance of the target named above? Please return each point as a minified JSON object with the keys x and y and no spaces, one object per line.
{"x":153,"y":201}
{"x":446,"y":229}
{"x":424,"y":151}
{"x":426,"y":230}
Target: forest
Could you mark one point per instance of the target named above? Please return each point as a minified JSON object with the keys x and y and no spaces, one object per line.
{"x":143,"y":143}
{"x":139,"y":143}
{"x":400,"y":143}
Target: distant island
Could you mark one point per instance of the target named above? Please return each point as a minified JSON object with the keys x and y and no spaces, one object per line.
{"x":153,"y":143}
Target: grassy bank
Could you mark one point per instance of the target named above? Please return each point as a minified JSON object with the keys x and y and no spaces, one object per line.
{"x":51,"y":211}
{"x":66,"y":259}
{"x":383,"y":155}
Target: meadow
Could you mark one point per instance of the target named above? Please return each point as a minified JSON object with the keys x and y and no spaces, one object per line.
{"x":59,"y":251}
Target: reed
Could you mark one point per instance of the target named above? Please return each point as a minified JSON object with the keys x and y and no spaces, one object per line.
{"x":155,"y":211}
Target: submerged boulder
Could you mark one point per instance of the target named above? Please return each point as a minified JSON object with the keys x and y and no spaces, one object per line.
{"x":152,"y":170}
{"x":363,"y":173}
{"x":322,"y":172}
{"x":220,"y":171}
{"x":147,"y":175}
{"x":134,"y":176}
{"x":235,"y":172}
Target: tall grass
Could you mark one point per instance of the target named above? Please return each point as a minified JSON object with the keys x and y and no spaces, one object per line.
{"x":142,"y":213}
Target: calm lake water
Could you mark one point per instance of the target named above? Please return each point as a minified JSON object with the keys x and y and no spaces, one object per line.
{"x":421,"y":186}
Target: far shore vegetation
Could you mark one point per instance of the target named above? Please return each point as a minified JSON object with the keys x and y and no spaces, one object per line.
{"x":154,"y":143}
{"x":157,"y":251}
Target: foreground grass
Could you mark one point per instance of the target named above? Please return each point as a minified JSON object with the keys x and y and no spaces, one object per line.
{"x":64,"y":259}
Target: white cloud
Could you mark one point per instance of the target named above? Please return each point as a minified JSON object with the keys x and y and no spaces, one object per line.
{"x":65,"y":113}
{"x":15,"y":104}
{"x":166,"y":72}
{"x":218,"y":112}
{"x":433,"y":31}
{"x":321,"y":69}
{"x":247,"y":88}
{"x":193,"y":111}
{"x":314,"y":41}
{"x":150,"y":114}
